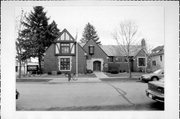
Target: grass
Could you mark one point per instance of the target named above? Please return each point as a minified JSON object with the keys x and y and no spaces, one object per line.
{"x":125,"y":74}
{"x":46,"y":77}
{"x":120,"y":79}
{"x":33,"y":80}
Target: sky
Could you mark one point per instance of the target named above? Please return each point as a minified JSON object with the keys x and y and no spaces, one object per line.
{"x":105,"y":19}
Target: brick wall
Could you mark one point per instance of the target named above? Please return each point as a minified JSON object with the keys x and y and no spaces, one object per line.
{"x":50,"y":60}
{"x":81,"y":61}
{"x":98,"y":52}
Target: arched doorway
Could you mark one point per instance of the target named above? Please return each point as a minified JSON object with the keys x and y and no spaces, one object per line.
{"x":97,"y":66}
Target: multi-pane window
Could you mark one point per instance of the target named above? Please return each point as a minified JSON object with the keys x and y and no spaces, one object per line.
{"x":64,"y":63}
{"x":111,"y":58}
{"x":65,"y":48}
{"x":141,"y":62}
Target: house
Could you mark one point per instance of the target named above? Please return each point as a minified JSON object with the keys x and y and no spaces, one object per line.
{"x":61,"y":56}
{"x":157,"y":58}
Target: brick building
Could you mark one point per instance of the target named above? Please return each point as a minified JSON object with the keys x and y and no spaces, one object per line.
{"x":61,"y":56}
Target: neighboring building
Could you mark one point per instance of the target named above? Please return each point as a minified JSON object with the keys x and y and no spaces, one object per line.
{"x":157,"y":58}
{"x":61,"y":56}
{"x":33,"y":62}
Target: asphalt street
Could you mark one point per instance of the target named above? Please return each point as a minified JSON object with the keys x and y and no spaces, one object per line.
{"x":104,"y":95}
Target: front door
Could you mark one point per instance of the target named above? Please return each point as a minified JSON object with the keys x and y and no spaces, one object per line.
{"x":97,"y":66}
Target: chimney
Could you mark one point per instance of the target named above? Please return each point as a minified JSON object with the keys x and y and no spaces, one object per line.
{"x":143,"y":43}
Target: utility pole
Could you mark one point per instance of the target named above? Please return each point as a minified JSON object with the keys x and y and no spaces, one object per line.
{"x":76,"y":55}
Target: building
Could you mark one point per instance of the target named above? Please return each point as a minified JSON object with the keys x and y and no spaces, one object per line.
{"x":157,"y":58}
{"x":27,"y":67}
{"x":61,"y":56}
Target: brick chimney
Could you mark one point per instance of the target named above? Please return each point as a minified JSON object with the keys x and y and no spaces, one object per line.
{"x":143,"y":43}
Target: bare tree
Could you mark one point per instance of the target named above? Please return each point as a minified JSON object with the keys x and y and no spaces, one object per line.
{"x":19,"y":48}
{"x":125,"y":36}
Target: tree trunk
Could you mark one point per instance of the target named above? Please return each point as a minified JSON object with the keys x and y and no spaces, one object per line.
{"x":39,"y":60}
{"x":129,"y":67}
{"x":19,"y":68}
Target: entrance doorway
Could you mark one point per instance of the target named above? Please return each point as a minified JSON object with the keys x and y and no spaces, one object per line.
{"x":97,"y":66}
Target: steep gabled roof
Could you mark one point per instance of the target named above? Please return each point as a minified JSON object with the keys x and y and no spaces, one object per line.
{"x":64,"y":31}
{"x":96,"y":44}
{"x":159,"y":50}
{"x":116,"y":50}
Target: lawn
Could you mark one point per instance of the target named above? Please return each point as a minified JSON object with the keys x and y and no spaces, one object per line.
{"x":46,"y":76}
{"x":125,"y":74}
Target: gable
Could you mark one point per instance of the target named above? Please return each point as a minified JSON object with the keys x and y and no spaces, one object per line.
{"x":141,"y":53}
{"x":65,"y":36}
{"x":98,"y":51}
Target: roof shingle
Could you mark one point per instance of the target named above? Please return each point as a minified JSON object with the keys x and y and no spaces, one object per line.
{"x":116,"y":50}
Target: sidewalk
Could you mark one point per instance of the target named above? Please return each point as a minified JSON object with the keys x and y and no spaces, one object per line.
{"x":79,"y":80}
{"x":100,"y":75}
{"x":58,"y":79}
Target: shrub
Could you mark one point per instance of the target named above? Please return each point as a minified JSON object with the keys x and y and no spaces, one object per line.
{"x":89,"y":71}
{"x":59,"y":72}
{"x":49,"y":73}
{"x":113,"y":68}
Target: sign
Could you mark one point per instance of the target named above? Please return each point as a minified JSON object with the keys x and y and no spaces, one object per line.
{"x":32,"y":67}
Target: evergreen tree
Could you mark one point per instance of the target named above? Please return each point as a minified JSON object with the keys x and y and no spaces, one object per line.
{"x":90,"y":33}
{"x":37,"y":35}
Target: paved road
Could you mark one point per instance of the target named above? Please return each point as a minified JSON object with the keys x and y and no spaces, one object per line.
{"x":105,"y":95}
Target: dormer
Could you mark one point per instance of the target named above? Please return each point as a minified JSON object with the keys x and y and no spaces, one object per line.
{"x":65,"y":44}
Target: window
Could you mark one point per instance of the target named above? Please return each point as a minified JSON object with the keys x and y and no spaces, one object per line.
{"x":141,"y":62}
{"x":111,"y":59}
{"x":161,"y":58}
{"x":65,"y":48}
{"x":64,"y":64}
{"x":125,"y":60}
{"x":154,"y":63}
{"x":91,"y":50}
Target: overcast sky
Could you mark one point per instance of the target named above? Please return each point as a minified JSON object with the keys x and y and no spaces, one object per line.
{"x":105,"y":19}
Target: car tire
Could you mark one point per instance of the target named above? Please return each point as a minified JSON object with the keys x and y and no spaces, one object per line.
{"x":154,"y":78}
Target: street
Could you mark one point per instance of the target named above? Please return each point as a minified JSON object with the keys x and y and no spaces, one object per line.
{"x":101,"y":96}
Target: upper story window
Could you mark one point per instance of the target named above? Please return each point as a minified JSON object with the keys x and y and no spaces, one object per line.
{"x":91,"y":50}
{"x":161,"y":58}
{"x":65,"y":48}
{"x":111,"y":58}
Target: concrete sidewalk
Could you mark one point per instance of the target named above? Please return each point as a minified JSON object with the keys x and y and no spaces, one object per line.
{"x":79,"y":80}
{"x":100,"y":75}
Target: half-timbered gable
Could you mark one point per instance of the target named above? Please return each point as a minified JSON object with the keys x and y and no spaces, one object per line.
{"x":65,"y":44}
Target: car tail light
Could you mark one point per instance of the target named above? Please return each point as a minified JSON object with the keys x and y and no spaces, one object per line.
{"x":160,"y":89}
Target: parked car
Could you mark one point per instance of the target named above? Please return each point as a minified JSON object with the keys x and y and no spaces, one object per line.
{"x":155,"y":90}
{"x":156,"y":75}
{"x":17,"y":94}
